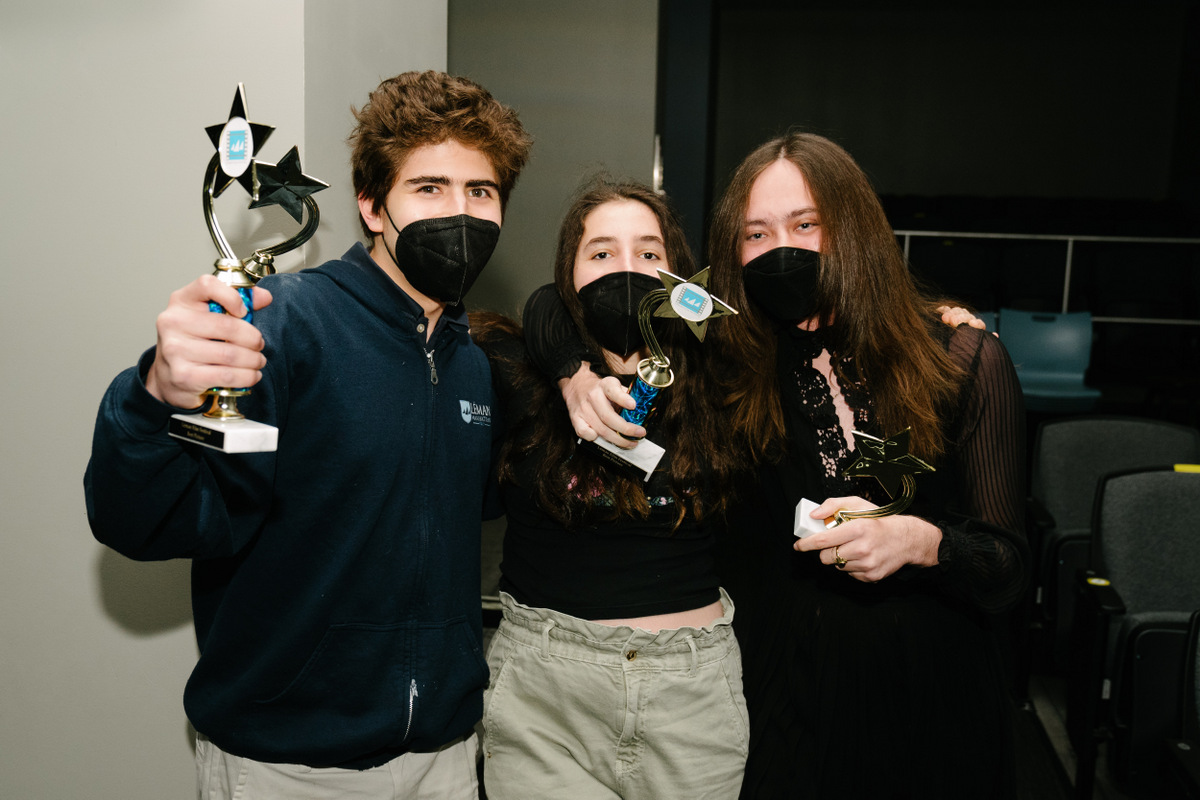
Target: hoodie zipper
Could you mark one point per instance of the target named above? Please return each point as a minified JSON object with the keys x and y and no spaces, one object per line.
{"x":412,"y":704}
{"x":432,"y":367}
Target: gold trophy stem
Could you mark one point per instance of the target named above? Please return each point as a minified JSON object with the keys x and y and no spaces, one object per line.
{"x":907,"y":492}
{"x":224,"y":403}
{"x":657,"y":357}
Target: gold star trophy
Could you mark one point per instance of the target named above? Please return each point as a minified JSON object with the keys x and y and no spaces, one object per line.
{"x":886,"y":460}
{"x":221,"y":426}
{"x":686,"y":299}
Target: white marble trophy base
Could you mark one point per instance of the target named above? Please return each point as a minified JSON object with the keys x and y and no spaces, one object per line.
{"x":806,"y":525}
{"x":644,"y":456}
{"x":226,"y":435}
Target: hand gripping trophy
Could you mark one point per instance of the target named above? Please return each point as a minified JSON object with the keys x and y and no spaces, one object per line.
{"x":221,"y":426}
{"x":887,"y":461}
{"x":686,"y":299}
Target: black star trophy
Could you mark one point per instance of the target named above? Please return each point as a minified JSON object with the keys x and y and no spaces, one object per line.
{"x":690,"y":301}
{"x":221,"y":426}
{"x":886,"y":460}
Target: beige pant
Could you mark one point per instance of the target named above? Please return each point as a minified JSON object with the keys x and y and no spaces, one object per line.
{"x":577,"y":710}
{"x":446,"y":774}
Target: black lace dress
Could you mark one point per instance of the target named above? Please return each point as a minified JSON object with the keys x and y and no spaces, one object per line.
{"x":894,"y":689}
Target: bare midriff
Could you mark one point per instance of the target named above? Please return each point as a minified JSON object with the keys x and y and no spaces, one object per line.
{"x":696,"y":618}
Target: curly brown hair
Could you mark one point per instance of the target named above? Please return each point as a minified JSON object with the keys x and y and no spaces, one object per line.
{"x":415,"y":109}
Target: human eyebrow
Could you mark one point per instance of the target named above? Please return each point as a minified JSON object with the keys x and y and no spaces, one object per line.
{"x":762,"y":223}
{"x":480,"y":183}
{"x":420,"y":180}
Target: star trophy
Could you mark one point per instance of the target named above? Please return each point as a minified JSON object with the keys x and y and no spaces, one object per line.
{"x":886,"y":460}
{"x":221,"y":426}
{"x":690,"y":301}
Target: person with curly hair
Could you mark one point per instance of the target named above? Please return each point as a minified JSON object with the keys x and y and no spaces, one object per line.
{"x":335,"y":581}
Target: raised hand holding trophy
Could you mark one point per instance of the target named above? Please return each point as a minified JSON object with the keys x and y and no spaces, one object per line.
{"x":886,"y":460}
{"x":221,"y":426}
{"x":686,"y":299}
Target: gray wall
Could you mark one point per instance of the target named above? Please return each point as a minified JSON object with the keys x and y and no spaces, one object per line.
{"x":582,"y":76}
{"x":104,"y":148}
{"x":104,"y":153}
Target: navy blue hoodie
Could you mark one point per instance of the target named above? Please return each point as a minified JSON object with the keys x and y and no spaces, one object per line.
{"x":335,"y":582}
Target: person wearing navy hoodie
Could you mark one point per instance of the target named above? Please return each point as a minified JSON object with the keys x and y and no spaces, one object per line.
{"x":335,"y":581}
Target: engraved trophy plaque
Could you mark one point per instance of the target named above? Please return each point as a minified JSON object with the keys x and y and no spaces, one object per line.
{"x":886,"y":460}
{"x":686,"y":299}
{"x":221,"y":426}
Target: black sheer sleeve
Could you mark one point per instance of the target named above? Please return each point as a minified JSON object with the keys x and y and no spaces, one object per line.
{"x":983,"y":555}
{"x":550,"y":335}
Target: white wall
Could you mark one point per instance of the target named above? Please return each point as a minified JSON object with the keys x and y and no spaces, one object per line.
{"x":103,"y":152}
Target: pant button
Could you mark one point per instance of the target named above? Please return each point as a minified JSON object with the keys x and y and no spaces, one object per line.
{"x":631,"y":655}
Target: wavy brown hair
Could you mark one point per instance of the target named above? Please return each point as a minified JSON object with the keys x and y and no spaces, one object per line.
{"x":686,"y":421}
{"x":415,"y":109}
{"x":874,"y":310}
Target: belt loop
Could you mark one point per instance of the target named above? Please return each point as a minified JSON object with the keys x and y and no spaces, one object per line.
{"x":695,"y":656}
{"x":546,"y":628}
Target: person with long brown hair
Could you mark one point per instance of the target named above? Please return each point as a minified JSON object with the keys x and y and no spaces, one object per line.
{"x":614,"y":671}
{"x":872,"y":669}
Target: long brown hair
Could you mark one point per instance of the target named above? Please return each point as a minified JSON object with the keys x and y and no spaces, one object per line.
{"x":873,"y":308}
{"x":687,"y":420}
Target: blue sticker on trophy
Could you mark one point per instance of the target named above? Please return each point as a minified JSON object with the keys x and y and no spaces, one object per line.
{"x":237,"y":143}
{"x":691,"y":302}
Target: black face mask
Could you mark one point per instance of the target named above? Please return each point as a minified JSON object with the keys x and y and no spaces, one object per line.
{"x":610,"y":305}
{"x":442,"y":257}
{"x":783,"y":283}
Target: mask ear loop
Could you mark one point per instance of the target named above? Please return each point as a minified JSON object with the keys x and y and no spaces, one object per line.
{"x":391,"y":222}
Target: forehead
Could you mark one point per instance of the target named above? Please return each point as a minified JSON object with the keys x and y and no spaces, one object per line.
{"x":779,"y":190}
{"x":450,"y":159}
{"x":621,"y":218}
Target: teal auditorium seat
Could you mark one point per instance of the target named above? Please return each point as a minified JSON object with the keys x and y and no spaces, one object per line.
{"x":1051,"y":354}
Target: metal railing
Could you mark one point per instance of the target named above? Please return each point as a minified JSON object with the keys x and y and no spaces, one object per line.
{"x":1070,"y":256}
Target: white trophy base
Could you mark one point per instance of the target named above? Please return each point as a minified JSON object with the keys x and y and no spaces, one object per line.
{"x":644,"y":456}
{"x":226,"y":435}
{"x":806,"y":525}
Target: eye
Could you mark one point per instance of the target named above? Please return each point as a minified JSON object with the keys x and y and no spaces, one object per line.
{"x":603,"y":254}
{"x":428,"y":188}
{"x":755,"y":236}
{"x":480,"y":191}
{"x":650,"y":256}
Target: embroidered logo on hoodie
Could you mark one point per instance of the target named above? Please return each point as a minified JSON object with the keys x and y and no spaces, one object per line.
{"x":475,"y":413}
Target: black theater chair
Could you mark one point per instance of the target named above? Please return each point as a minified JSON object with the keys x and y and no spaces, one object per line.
{"x":1131,"y":623}
{"x":1069,"y":457}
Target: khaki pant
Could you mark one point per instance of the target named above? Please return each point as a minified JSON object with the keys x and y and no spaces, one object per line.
{"x":585,"y":711}
{"x":446,"y":774}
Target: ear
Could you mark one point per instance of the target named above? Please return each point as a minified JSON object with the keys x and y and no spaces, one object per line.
{"x":370,"y":214}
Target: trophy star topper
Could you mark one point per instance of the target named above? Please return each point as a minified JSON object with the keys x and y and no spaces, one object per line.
{"x":237,"y":141}
{"x":886,"y":460}
{"x":284,"y":184}
{"x":689,"y":300}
